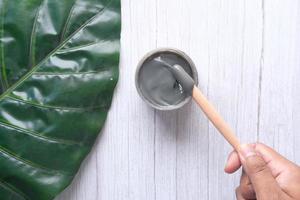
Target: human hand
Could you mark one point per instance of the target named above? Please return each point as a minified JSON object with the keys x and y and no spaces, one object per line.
{"x":266,"y":174}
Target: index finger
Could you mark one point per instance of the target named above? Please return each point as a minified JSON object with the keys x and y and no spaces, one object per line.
{"x":233,"y":163}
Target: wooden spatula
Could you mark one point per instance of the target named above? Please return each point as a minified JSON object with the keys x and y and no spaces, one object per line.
{"x":189,"y":87}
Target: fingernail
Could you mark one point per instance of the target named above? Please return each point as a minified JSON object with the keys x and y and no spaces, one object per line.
{"x":247,"y":151}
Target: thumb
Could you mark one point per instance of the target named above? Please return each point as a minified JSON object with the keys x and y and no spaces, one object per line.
{"x":259,"y":173}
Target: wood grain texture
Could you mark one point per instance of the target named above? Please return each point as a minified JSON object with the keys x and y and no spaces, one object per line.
{"x":248,"y":58}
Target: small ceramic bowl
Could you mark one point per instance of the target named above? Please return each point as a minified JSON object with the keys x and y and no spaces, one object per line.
{"x":152,"y":55}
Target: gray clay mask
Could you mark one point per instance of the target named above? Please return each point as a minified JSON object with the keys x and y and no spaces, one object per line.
{"x":159,"y":82}
{"x":185,"y":81}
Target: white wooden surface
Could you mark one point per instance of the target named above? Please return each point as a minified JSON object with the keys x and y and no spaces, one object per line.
{"x":248,"y":57}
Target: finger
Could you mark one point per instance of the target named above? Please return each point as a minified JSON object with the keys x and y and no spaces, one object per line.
{"x":259,"y":174}
{"x":238,"y":194}
{"x":233,"y":163}
{"x":268,"y":153}
{"x":279,"y":165}
{"x":246,"y":188}
{"x":276,"y":162}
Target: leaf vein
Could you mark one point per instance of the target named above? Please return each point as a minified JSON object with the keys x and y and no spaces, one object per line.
{"x":32,"y":37}
{"x":8,"y":153}
{"x":12,"y":189}
{"x":68,"y":21}
{"x":45,"y":106}
{"x":78,"y":47}
{"x":38,"y":135}
{"x":3,"y":68}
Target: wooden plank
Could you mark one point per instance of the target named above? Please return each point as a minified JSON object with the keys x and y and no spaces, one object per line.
{"x":166,"y":123}
{"x":192,"y":138}
{"x":140,"y":120}
{"x":279,"y":113}
{"x":234,"y":55}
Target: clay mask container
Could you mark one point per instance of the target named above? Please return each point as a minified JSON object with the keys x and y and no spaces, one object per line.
{"x":156,"y":83}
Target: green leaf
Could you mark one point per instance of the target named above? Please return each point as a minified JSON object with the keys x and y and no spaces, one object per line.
{"x":59,"y":66}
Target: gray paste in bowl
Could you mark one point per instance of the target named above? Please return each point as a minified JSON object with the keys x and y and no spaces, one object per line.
{"x":156,"y":83}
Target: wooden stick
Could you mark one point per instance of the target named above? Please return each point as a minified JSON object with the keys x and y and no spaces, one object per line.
{"x":216,"y":118}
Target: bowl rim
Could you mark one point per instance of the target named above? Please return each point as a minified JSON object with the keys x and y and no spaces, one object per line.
{"x":153,"y":53}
